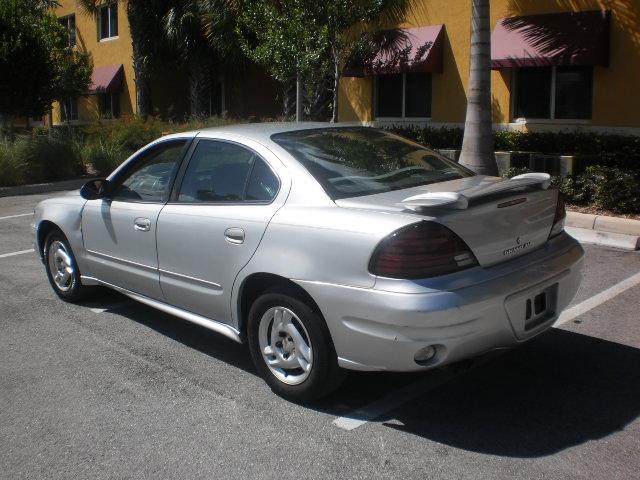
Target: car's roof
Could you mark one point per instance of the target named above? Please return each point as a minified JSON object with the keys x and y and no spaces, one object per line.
{"x":263,"y":131}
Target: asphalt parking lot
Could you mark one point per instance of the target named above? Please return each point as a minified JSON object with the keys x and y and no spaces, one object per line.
{"x":114,"y":389}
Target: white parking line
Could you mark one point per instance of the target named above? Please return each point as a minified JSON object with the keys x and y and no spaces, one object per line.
{"x":373,"y":410}
{"x":13,"y":254}
{"x":112,"y":307}
{"x":599,"y":299}
{"x":16,"y":216}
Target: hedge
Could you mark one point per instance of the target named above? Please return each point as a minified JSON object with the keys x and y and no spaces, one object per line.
{"x":612,"y":150}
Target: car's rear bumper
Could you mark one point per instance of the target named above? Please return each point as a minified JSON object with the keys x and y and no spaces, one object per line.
{"x":376,"y":329}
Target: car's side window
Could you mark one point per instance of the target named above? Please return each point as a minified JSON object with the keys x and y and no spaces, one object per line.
{"x":219,"y":172}
{"x":149,"y":179}
{"x":263,"y":184}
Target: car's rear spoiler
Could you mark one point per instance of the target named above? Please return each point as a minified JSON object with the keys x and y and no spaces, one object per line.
{"x":459,"y":201}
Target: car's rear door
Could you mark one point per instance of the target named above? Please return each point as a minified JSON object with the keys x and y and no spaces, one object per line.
{"x":119,"y":232}
{"x":222,"y":204}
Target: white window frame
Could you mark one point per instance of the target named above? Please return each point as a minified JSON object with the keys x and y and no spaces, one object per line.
{"x":552,"y":100}
{"x":109,"y":7}
{"x":403,"y":118}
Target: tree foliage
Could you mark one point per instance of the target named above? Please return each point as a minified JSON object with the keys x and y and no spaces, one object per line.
{"x":311,"y":39}
{"x":37,"y":65}
{"x":282,"y":35}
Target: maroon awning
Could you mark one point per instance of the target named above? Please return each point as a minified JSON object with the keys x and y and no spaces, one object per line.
{"x":403,"y":51}
{"x":569,"y":38}
{"x":106,"y":79}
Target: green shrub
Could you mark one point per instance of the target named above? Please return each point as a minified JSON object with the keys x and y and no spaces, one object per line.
{"x":130,"y":133}
{"x":567,"y":186}
{"x":613,"y":150}
{"x":442,"y":137}
{"x":12,"y":168}
{"x":105,"y":156}
{"x":608,"y":188}
{"x":196,"y":123}
{"x":46,"y":158}
{"x":515,"y":171}
{"x":603,"y":187}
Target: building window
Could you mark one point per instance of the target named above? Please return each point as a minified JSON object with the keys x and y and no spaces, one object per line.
{"x":69,"y":110}
{"x":108,"y":21}
{"x":69,"y":22}
{"x":550,"y":93}
{"x":403,"y":95}
{"x":110,"y":105}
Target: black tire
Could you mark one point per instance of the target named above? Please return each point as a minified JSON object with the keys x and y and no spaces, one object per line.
{"x":75,"y":291}
{"x":325,"y":374}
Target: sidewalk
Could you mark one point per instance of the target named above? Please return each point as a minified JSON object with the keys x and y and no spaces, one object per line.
{"x":602,"y":230}
{"x":73,"y":184}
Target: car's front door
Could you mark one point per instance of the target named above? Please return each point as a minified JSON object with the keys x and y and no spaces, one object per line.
{"x":119,"y":231}
{"x":213,"y":225}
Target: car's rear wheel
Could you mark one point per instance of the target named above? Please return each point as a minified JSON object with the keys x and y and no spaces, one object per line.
{"x":62,"y":269}
{"x":291,"y":347}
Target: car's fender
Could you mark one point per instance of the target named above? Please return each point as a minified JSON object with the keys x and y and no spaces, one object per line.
{"x":324,"y":244}
{"x":65,"y":212}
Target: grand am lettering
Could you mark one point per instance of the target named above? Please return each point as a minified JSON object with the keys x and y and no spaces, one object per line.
{"x":518,"y":248}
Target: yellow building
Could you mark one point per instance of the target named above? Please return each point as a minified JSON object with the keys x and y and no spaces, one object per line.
{"x":107,"y":37}
{"x":112,"y":94}
{"x":557,"y":64}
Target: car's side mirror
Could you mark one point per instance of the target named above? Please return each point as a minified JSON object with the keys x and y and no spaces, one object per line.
{"x":94,"y":189}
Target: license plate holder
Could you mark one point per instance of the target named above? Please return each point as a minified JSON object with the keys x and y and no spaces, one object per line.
{"x":530,"y":309}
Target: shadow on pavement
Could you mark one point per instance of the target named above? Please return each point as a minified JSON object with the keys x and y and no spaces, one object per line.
{"x":559,"y":390}
{"x":190,"y":335}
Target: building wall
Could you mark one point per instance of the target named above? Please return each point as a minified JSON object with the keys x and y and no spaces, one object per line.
{"x":616,"y":104}
{"x":111,"y":51}
{"x":254,"y":94}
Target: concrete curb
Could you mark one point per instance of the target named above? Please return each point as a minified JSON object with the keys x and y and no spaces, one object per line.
{"x":602,"y":230}
{"x":43,"y":187}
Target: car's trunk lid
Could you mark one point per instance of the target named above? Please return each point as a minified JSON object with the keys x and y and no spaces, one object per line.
{"x":499,"y":219}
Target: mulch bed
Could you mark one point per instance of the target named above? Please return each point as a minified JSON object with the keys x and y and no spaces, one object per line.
{"x":599,"y":211}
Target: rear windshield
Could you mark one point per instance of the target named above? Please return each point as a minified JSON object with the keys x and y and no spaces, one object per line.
{"x":356,"y":161}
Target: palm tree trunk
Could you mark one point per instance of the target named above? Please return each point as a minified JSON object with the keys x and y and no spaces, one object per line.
{"x":138,"y":18}
{"x":144,"y":105}
{"x":199,"y":85}
{"x":477,"y":144}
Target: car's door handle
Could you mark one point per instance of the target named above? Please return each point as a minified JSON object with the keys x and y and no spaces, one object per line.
{"x":142,"y":224}
{"x":234,"y":235}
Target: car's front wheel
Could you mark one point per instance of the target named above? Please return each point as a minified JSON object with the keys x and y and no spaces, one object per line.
{"x":291,"y":347}
{"x":62,"y":269}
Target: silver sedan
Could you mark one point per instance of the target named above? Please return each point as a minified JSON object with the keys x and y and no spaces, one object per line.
{"x":324,"y":247}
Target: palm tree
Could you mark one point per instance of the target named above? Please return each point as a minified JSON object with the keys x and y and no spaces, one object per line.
{"x":202,"y":34}
{"x":145,"y":25}
{"x":477,"y":144}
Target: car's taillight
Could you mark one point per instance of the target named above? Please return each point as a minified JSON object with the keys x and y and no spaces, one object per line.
{"x":558,"y":219}
{"x":421,"y":250}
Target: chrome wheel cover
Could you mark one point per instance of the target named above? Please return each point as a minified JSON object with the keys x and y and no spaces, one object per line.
{"x":60,"y":266}
{"x":285,"y":345}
